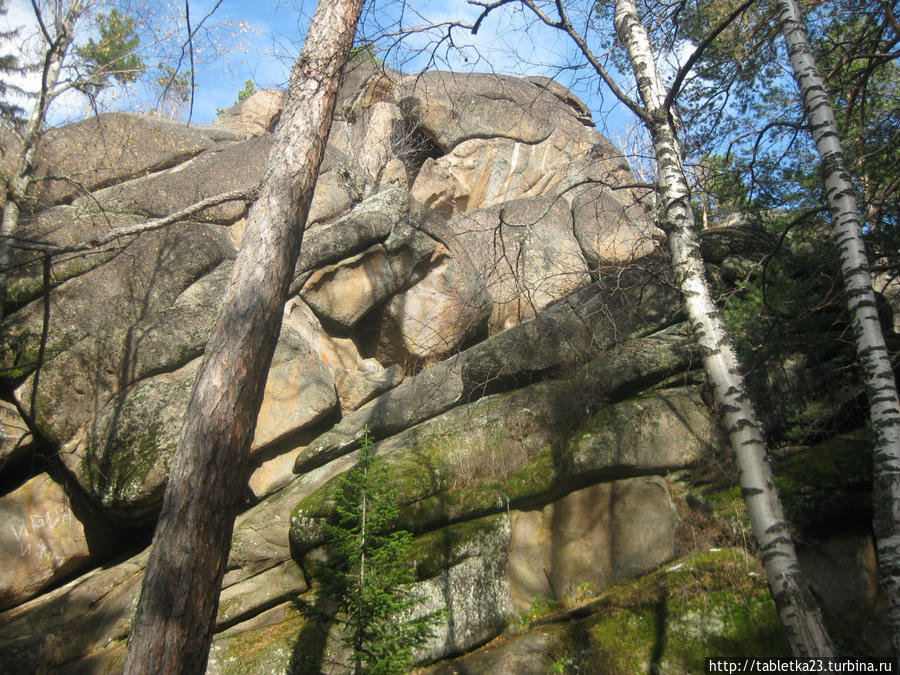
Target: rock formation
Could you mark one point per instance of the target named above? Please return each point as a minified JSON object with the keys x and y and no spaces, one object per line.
{"x":476,"y":288}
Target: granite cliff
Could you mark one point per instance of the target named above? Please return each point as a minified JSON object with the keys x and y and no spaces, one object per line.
{"x":481,"y":287}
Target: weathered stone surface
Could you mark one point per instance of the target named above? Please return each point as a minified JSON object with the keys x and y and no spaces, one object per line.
{"x":42,"y":539}
{"x":299,"y":391}
{"x":438,"y":189}
{"x":368,"y":142}
{"x":271,"y":473}
{"x":371,"y":221}
{"x":111,"y":148}
{"x":581,"y":111}
{"x":475,"y":596}
{"x":61,"y":226}
{"x":596,"y":536}
{"x":267,"y":588}
{"x":15,"y":437}
{"x":70,"y":622}
{"x":255,"y":116}
{"x":333,"y":195}
{"x":124,"y":461}
{"x":527,"y":654}
{"x":264,"y":645}
{"x":525,"y":253}
{"x":237,"y":166}
{"x":359,"y":386}
{"x":429,"y":393}
{"x":739,"y":237}
{"x":345,"y":292}
{"x":91,"y":350}
{"x":512,"y":449}
{"x":610,"y":231}
{"x":357,"y":380}
{"x":568,"y":334}
{"x":454,"y":107}
{"x":173,"y":336}
{"x":483,"y":172}
{"x":334,"y":351}
{"x":365,"y":83}
{"x":83,"y":625}
{"x":435,"y":317}
{"x":647,"y":434}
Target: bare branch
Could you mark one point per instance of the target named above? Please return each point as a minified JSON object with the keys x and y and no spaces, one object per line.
{"x":566,"y":27}
{"x":40,"y":20}
{"x":698,"y":52}
{"x":138,"y":228}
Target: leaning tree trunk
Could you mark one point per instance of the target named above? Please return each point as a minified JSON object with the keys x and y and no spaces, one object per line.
{"x":173,"y":626}
{"x":18,"y":184}
{"x":881,"y":387}
{"x":797,"y":610}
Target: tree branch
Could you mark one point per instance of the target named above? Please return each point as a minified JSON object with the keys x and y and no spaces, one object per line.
{"x":137,"y":228}
{"x":698,"y":52}
{"x":566,"y":27}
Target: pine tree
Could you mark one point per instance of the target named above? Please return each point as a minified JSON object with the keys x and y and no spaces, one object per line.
{"x":367,"y":577}
{"x":10,"y":113}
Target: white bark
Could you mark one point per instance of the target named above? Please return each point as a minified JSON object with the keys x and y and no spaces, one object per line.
{"x":881,"y":387}
{"x":799,"y":616}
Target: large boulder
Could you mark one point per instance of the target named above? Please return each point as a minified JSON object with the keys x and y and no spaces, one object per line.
{"x":112,"y":148}
{"x":91,"y":350}
{"x":345,"y":292}
{"x":437,"y":316}
{"x":566,"y":335}
{"x":63,"y":225}
{"x":525,"y":253}
{"x":591,"y":538}
{"x":255,"y":116}
{"x":610,"y":228}
{"x":15,"y":437}
{"x":237,"y":166}
{"x":45,"y":538}
{"x":517,"y":448}
{"x":456,"y":107}
{"x":122,"y":460}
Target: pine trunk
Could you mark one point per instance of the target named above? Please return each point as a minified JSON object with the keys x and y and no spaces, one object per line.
{"x":797,"y":611}
{"x":881,"y":387}
{"x":173,"y":627}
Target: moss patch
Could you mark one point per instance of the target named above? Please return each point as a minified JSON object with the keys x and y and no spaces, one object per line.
{"x":260,"y":651}
{"x":714,"y":603}
{"x":828,"y":484}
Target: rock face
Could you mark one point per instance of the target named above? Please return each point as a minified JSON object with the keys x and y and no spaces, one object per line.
{"x":476,"y":290}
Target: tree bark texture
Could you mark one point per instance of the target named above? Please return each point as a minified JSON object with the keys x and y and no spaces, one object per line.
{"x":797,"y":611}
{"x":881,"y":386}
{"x":173,"y":626}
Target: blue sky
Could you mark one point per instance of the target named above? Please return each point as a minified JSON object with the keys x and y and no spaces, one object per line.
{"x":259,"y":39}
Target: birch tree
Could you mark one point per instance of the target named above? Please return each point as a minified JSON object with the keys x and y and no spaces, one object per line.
{"x":797,"y":611}
{"x":173,"y":626}
{"x":878,"y":376}
{"x":799,"y":616}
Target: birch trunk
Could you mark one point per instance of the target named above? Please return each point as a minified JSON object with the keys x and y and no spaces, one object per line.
{"x":881,"y":387}
{"x":173,"y":627}
{"x":18,"y":184}
{"x":797,"y":611}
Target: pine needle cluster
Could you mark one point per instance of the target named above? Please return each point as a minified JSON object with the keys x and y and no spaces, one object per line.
{"x":368,"y":576}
